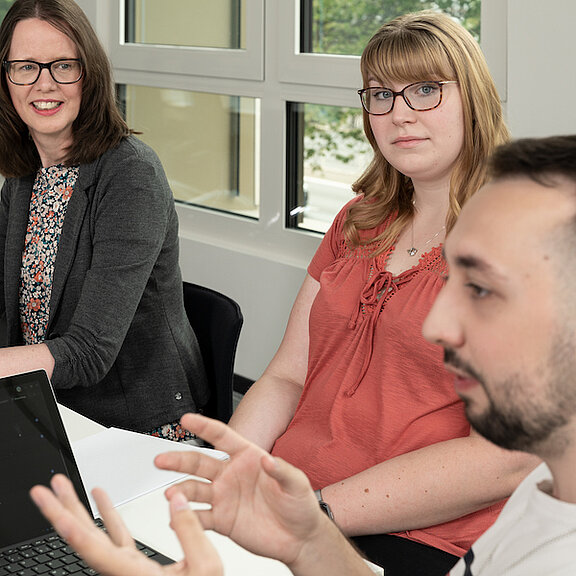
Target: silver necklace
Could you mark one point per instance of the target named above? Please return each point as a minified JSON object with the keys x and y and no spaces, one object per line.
{"x":413,"y":251}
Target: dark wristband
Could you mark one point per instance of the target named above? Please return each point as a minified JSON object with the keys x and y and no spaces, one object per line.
{"x":323,"y":506}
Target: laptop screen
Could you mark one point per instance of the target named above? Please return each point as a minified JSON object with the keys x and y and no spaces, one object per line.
{"x":33,"y":447}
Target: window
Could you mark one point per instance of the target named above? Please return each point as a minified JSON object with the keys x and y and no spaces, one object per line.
{"x":252,"y":107}
{"x":208,"y":144}
{"x":207,"y":141}
{"x":214,"y":24}
{"x":338,"y":27}
{"x":322,"y":162}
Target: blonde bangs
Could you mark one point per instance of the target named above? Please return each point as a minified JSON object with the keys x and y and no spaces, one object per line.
{"x":405,"y":56}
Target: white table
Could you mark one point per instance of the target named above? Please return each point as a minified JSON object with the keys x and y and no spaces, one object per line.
{"x":148,"y":516}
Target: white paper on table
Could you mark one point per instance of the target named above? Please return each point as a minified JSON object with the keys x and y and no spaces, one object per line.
{"x":122,"y":463}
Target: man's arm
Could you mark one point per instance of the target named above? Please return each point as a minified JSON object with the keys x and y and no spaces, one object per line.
{"x":262,"y":503}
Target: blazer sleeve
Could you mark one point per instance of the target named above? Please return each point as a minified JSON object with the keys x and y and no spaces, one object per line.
{"x":128,"y":226}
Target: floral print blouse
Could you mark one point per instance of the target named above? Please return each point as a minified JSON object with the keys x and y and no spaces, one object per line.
{"x":50,"y":196}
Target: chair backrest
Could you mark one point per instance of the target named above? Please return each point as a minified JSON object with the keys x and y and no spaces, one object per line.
{"x":216,"y":320}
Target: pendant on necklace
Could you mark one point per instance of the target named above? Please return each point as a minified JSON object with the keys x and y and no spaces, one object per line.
{"x":412,"y":251}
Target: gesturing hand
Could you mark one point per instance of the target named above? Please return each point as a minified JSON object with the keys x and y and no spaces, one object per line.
{"x":261,"y":502}
{"x":115,"y":554}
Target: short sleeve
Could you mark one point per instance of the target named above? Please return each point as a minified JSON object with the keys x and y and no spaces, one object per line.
{"x":331,"y":244}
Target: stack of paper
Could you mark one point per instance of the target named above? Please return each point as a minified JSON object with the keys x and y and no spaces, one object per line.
{"x":122,"y":463}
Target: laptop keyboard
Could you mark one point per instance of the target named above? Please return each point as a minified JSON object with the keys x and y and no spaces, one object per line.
{"x":50,"y":556}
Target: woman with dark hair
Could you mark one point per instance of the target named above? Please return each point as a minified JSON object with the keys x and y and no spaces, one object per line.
{"x":355,"y":397}
{"x":90,"y":286}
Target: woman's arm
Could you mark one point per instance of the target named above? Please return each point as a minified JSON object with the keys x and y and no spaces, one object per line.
{"x":269,"y":405}
{"x":25,"y":358}
{"x":429,"y":486}
{"x":119,"y":220}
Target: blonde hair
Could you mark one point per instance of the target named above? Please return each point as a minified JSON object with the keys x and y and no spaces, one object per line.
{"x":426,"y":45}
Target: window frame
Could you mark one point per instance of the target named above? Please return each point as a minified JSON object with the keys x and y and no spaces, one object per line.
{"x":272,"y":70}
{"x":245,"y":63}
{"x":297,"y":67}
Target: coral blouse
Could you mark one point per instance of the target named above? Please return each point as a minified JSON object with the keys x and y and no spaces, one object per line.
{"x":375,"y":388}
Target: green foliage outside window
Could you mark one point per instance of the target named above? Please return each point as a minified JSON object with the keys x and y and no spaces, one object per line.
{"x":4,"y":5}
{"x":344,"y":27}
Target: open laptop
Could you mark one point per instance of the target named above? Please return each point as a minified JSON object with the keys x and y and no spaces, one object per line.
{"x":33,"y":447}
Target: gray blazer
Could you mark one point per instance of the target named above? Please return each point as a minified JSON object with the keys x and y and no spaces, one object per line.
{"x":125,"y":353}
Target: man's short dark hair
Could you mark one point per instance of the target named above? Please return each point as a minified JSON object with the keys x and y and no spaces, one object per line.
{"x":540,"y":159}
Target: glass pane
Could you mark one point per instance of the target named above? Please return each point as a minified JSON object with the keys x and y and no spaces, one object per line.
{"x":213,"y":24}
{"x":4,"y":5}
{"x":330,"y":152}
{"x":208,"y":144}
{"x":344,"y":27}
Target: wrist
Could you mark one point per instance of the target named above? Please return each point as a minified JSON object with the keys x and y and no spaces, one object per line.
{"x":328,"y":551}
{"x":323,"y":505}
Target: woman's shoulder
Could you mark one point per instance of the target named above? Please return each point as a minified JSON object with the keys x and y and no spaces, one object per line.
{"x":129,"y":167}
{"x":132,"y":158}
{"x":132,"y":147}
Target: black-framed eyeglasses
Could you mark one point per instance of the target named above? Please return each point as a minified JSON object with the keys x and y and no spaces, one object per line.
{"x":27,"y":72}
{"x":420,"y":96}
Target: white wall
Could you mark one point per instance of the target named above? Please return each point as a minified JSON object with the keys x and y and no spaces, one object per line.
{"x":541,"y":71}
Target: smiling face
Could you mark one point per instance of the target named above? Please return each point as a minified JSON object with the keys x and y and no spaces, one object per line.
{"x":504,"y":317}
{"x":423,"y":145}
{"x":46,"y":107}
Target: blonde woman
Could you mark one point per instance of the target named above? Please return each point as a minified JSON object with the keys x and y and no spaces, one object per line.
{"x":355,"y":397}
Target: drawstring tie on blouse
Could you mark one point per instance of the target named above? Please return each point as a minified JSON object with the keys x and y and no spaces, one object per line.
{"x":380,"y":287}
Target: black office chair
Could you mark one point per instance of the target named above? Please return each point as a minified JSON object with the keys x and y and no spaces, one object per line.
{"x":216,"y":320}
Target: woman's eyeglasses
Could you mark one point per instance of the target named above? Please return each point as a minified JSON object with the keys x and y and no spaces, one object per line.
{"x":419,"y":96}
{"x":27,"y":72}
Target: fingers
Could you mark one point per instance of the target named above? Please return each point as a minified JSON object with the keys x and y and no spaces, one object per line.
{"x":66,"y":494}
{"x":214,"y":432}
{"x":52,"y":510}
{"x":115,"y":527}
{"x":66,"y":513}
{"x":62,"y":507}
{"x":291,"y":479}
{"x":194,"y":463}
{"x":200,"y":464}
{"x":200,"y":555}
{"x":194,"y":490}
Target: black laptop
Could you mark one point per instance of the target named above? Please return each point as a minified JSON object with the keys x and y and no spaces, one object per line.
{"x":33,"y":447}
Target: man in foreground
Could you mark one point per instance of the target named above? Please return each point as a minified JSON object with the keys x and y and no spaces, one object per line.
{"x":508,"y":327}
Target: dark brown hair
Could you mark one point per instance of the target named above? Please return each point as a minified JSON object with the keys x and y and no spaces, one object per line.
{"x":540,"y":159}
{"x":99,"y":125}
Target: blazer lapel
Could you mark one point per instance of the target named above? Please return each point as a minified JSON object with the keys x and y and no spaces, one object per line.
{"x":18,"y":224}
{"x":68,"y":241}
